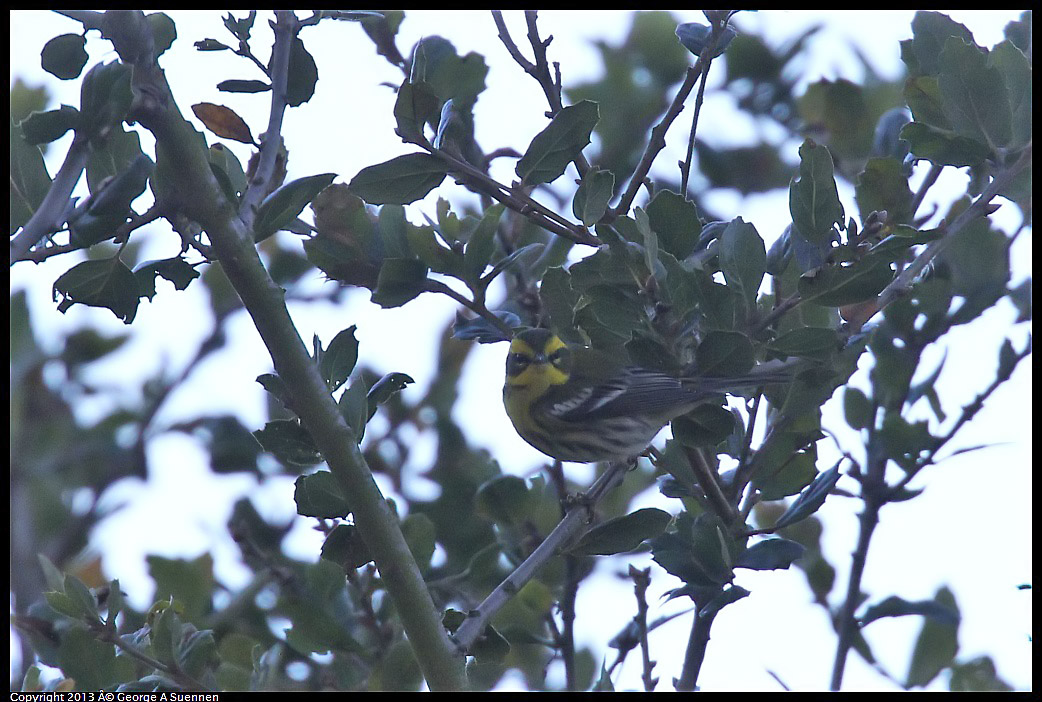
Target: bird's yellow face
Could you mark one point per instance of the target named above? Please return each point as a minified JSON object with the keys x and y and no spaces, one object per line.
{"x":537,"y":360}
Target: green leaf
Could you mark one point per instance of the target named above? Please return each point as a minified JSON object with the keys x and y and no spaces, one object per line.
{"x":650,"y":241}
{"x":503,"y":499}
{"x":675,"y":220}
{"x":1015,"y":69}
{"x":105,"y":97}
{"x":93,"y":664}
{"x":944,"y":148}
{"x":109,"y":207}
{"x":303,"y":74}
{"x":54,"y":578}
{"x":120,"y":150}
{"x":164,"y":32}
{"x":318,"y":495}
{"x":102,"y":283}
{"x":354,"y":407}
{"x":743,"y":259}
{"x":339,"y":358}
{"x":558,"y":144}
{"x":394,"y":231}
{"x":415,"y":107}
{"x":930,"y":31}
{"x":282,"y":206}
{"x":811,"y":499}
{"x":289,"y":442}
{"x":894,"y":606}
{"x":189,"y":582}
{"x":770,"y":554}
{"x":401,"y":180}
{"x":813,"y":198}
{"x":622,"y":534}
{"x":64,"y":56}
{"x":198,"y":654}
{"x":451,"y":77}
{"x":836,"y":286}
{"x":937,"y":644}
{"x":114,"y":604}
{"x":794,"y":473}
{"x":904,"y":441}
{"x":977,"y":675}
{"x":883,"y":186}
{"x":211,"y":45}
{"x":482,"y":330}
{"x":45,"y":127}
{"x":384,"y":388}
{"x":228,"y":171}
{"x":592,"y":196}
{"x":425,"y":245}
{"x":29,"y":179}
{"x":807,"y":342}
{"x":243,"y":86}
{"x":345,"y":547}
{"x":730,"y":595}
{"x":698,"y":552}
{"x":176,"y":270}
{"x":82,"y":597}
{"x":400,"y":280}
{"x":167,"y":630}
{"x":974,"y":94}
{"x":558,"y":300}
{"x":923,"y":95}
{"x":419,"y":533}
{"x":696,"y":37}
{"x":724,"y":353}
{"x":706,"y":425}
{"x":525,"y":255}
{"x":857,"y":408}
{"x":481,"y":243}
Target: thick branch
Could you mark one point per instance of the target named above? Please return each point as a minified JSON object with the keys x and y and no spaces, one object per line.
{"x":232,"y":240}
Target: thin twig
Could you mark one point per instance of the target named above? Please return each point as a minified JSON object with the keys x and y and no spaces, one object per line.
{"x":967,"y":414}
{"x":565,"y":638}
{"x":709,"y":481}
{"x":562,"y":535}
{"x":477,"y":308}
{"x":685,"y":171}
{"x":515,"y":199}
{"x":44,"y":220}
{"x":657,"y":142}
{"x":286,"y":27}
{"x":931,"y":177}
{"x":902,"y":283}
{"x":641,"y":581}
{"x":539,"y":70}
{"x":695,"y":654}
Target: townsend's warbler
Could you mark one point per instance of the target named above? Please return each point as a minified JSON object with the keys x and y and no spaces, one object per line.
{"x":581,"y":405}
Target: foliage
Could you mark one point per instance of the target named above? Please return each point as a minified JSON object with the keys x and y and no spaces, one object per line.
{"x":641,"y":268}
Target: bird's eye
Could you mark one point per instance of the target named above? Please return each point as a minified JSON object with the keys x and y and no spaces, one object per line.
{"x":559,"y":356}
{"x":519,"y":359}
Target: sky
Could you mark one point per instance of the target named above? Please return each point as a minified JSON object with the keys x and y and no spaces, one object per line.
{"x":970,"y":529}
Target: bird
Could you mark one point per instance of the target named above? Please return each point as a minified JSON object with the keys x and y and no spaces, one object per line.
{"x":581,"y":405}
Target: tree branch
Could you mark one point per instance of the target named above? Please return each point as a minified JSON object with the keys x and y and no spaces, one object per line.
{"x":46,"y":218}
{"x":563,"y":534}
{"x":902,"y":283}
{"x":514,"y":198}
{"x":177,"y":142}
{"x":286,"y":28}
